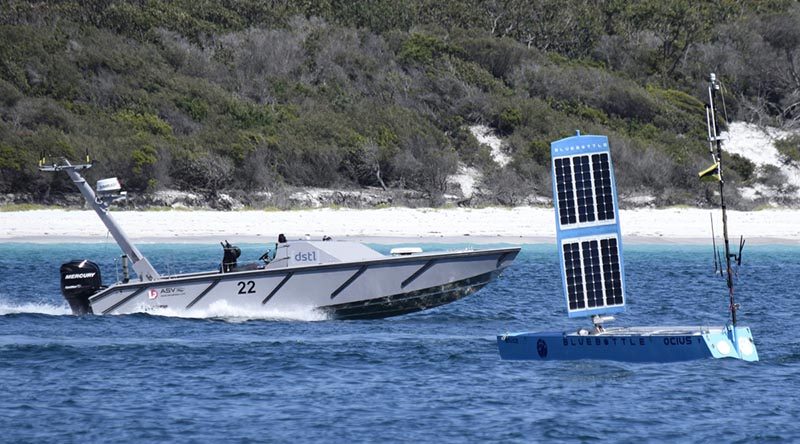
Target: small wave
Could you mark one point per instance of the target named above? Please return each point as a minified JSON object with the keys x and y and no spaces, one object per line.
{"x":7,"y":308}
{"x":229,"y":313}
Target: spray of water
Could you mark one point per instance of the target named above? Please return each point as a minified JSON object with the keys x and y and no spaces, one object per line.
{"x":227,"y":312}
{"x":219,"y":310}
{"x":9,"y":307}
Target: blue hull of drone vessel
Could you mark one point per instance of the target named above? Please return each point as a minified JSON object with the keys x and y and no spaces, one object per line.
{"x":670,"y":347}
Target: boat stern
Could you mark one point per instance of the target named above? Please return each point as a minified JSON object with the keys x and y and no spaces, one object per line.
{"x":732,"y":342}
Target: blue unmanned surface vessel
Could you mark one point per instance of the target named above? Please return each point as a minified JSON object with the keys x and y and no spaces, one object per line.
{"x":590,"y":245}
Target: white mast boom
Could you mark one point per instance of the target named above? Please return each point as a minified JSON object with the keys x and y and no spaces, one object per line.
{"x":141,"y":265}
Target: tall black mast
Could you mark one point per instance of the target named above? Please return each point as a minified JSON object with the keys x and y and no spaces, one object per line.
{"x":715,"y":146}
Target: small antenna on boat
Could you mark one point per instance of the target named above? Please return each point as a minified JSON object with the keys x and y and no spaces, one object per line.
{"x":715,"y":253}
{"x":741,"y":247}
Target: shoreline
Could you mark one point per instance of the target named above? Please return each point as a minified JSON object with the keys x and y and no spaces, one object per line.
{"x":520,"y":225}
{"x":396,"y":240}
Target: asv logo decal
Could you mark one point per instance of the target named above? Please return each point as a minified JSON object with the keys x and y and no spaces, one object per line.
{"x":171,"y":291}
{"x":153,"y":293}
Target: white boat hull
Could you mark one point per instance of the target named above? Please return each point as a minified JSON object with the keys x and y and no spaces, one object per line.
{"x":348,"y":290}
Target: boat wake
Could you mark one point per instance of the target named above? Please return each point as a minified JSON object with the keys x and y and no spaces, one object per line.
{"x":10,"y":308}
{"x":221,"y":310}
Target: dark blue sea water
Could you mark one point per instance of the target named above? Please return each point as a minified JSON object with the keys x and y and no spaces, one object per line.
{"x":426,"y":377}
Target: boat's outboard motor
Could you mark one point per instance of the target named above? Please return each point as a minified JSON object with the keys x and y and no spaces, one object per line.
{"x":229,"y":256}
{"x":79,"y":280}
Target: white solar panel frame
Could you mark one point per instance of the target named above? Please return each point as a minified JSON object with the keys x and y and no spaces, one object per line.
{"x":596,"y":221}
{"x":580,"y":241}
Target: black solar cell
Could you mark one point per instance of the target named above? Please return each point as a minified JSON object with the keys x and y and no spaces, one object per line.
{"x":612,"y":275}
{"x":566,"y":199}
{"x":574,"y":275}
{"x":592,"y":274}
{"x":583,"y":188}
{"x":602,"y":186}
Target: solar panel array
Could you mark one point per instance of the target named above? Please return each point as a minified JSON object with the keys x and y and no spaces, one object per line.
{"x":593,"y":273}
{"x":584,"y":189}
{"x":588,"y":228}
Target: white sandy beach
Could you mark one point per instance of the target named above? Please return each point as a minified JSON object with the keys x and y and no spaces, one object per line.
{"x":390,"y":225}
{"x":397,"y":225}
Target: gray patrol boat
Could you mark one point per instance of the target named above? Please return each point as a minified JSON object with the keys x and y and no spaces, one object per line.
{"x":345,"y":280}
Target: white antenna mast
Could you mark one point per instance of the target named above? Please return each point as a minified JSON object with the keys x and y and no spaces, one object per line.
{"x":108,"y":191}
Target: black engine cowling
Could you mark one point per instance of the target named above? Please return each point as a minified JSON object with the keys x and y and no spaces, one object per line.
{"x":79,"y":280}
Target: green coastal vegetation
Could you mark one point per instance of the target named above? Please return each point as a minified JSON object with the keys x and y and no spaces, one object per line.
{"x":254,"y":98}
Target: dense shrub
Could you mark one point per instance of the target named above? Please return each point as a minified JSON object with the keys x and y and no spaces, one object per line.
{"x":743,"y":167}
{"x":421,"y":48}
{"x":789,"y":148}
{"x":249,"y":95}
{"x":202,"y":171}
{"x":499,"y":56}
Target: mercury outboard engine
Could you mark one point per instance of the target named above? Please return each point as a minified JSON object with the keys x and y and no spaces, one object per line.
{"x":229,"y":256}
{"x":79,"y":280}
